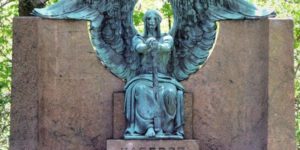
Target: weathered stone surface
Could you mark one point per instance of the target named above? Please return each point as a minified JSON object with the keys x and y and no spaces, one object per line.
{"x":243,"y":96}
{"x":188,"y":115}
{"x":281,"y":110}
{"x":62,"y":95}
{"x":25,"y":86}
{"x":119,"y":122}
{"x":230,"y":91}
{"x":152,"y":145}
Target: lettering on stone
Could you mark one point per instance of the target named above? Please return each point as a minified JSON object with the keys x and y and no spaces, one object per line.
{"x":155,"y":148}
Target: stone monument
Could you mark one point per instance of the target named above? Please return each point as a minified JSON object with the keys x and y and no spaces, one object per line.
{"x":151,"y":66}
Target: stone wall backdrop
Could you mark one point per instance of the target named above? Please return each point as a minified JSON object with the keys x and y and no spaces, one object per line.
{"x":243,"y":97}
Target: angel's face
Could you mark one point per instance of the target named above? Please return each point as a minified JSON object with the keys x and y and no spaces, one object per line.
{"x":151,"y":21}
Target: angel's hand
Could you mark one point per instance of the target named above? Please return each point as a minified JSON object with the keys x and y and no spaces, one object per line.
{"x":154,"y":45}
{"x":149,"y":41}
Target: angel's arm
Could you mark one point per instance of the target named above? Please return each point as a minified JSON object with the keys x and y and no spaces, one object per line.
{"x":139,"y":44}
{"x":141,"y":48}
{"x":166,"y":44}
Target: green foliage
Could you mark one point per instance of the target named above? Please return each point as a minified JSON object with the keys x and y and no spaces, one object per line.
{"x":50,"y":2}
{"x":167,"y":12}
{"x":8,"y":9}
{"x":138,"y":17}
{"x":162,"y":5}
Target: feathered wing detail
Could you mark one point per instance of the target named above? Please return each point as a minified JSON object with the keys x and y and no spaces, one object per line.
{"x":111,"y":30}
{"x":194,"y":29}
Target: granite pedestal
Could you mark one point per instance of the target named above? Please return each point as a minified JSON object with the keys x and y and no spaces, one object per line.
{"x":152,"y":145}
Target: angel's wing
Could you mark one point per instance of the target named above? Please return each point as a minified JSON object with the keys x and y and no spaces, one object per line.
{"x":194,"y":29}
{"x":111,"y":29}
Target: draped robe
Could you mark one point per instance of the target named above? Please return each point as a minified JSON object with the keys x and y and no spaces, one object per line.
{"x":142,"y":109}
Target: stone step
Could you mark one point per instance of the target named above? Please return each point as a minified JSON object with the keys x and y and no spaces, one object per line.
{"x":152,"y":145}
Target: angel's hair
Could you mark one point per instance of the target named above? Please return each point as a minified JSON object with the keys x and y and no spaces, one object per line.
{"x":158,"y":21}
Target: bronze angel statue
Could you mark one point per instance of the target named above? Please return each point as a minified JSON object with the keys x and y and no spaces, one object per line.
{"x":153,"y":63}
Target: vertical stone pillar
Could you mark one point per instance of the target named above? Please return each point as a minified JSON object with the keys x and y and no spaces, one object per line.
{"x":62,"y":94}
{"x":243,"y":95}
{"x":25,"y":85}
{"x":281,"y":98}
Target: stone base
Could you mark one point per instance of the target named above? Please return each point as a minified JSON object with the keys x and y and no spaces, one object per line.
{"x":152,"y":145}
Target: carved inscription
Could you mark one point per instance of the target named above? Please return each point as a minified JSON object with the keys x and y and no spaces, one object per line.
{"x":155,"y":148}
{"x":152,"y":145}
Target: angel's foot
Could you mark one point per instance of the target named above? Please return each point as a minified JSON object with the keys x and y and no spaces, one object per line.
{"x":179,"y":134}
{"x":150,"y":132}
{"x":160,"y":133}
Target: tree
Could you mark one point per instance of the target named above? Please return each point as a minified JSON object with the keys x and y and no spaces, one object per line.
{"x":8,"y":10}
{"x":26,"y":6}
{"x":167,"y":12}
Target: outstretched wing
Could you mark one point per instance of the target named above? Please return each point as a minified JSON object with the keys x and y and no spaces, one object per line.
{"x":111,"y":30}
{"x":194,"y":29}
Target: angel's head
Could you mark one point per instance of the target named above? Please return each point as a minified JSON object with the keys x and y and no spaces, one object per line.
{"x":152,"y":20}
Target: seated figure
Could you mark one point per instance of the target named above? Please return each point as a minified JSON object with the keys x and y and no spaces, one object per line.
{"x":154,"y":100}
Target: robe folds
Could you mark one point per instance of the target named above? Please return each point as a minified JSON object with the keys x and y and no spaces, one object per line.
{"x":143,"y":110}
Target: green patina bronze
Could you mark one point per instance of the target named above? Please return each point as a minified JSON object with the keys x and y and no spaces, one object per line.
{"x":152,"y":64}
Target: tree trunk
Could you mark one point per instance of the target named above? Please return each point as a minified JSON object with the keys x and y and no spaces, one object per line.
{"x":26,"y":6}
{"x":169,"y":22}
